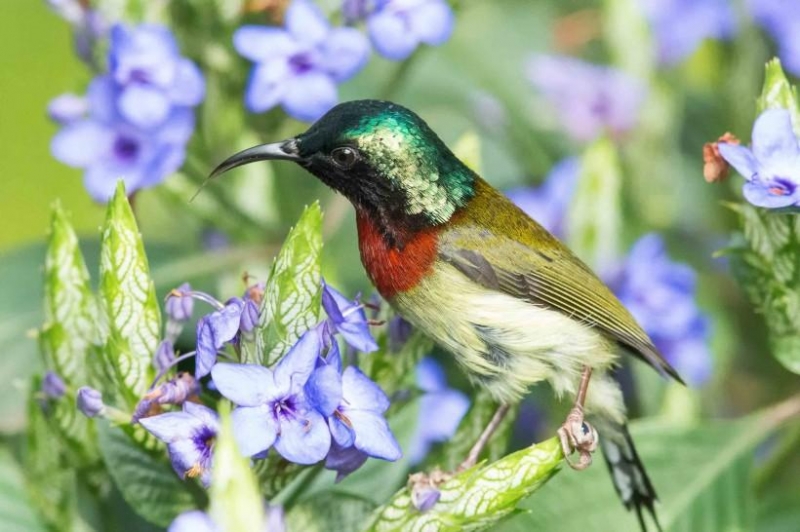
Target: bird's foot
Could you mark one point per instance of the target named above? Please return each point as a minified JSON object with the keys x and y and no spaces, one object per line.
{"x":424,"y":488}
{"x":578,"y":435}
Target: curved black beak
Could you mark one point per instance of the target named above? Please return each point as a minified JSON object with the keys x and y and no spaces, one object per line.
{"x":284,"y":150}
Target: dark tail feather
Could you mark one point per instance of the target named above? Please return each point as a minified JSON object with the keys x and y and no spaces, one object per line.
{"x":628,"y":474}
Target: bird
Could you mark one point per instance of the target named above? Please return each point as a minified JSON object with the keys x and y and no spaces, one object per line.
{"x":456,"y":258}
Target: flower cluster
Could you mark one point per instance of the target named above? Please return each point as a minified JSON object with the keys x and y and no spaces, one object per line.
{"x":135,"y":120}
{"x":772,"y":166}
{"x":659,"y":293}
{"x":298,"y":66}
{"x":307,"y":408}
{"x":589,"y":99}
{"x":679,"y":26}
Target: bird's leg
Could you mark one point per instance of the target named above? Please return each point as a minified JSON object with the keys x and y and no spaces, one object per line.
{"x":472,"y":457}
{"x":575,"y":434}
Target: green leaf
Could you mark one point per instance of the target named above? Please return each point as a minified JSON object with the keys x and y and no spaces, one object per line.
{"x":701,"y":475}
{"x":778,"y":93}
{"x":293,"y":291}
{"x":144,"y":478}
{"x":336,"y":512}
{"x":392,"y":371}
{"x":70,"y":307}
{"x":766,"y":261}
{"x":236,"y":503}
{"x":50,"y":480}
{"x":478,"y":497}
{"x":593,"y":221}
{"x":129,"y":301}
{"x":16,"y":512}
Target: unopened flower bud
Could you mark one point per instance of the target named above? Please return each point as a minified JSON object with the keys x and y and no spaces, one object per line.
{"x":180,"y":304}
{"x":90,"y":401}
{"x":53,"y":386}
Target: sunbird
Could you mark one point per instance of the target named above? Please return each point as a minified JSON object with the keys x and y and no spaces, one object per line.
{"x":491,"y":286}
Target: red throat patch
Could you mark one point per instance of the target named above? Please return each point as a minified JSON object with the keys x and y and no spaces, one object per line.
{"x":393,"y":270}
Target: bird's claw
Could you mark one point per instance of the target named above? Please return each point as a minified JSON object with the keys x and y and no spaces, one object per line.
{"x":578,"y":435}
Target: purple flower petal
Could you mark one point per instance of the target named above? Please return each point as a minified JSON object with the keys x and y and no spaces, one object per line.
{"x":67,"y":108}
{"x":440,"y":413}
{"x":189,"y":87}
{"x":361,"y":393}
{"x":340,"y":432}
{"x":390,"y":36}
{"x":193,"y":521}
{"x":255,"y":429}
{"x":304,"y":440}
{"x":306,"y":22}
{"x":172,"y":426}
{"x":296,"y":366}
{"x":345,"y":52}
{"x":373,"y":435}
{"x":766,"y":194}
{"x":324,"y":389}
{"x":432,"y":22}
{"x":344,"y":460}
{"x":100,"y":180}
{"x":244,"y":384}
{"x":267,"y":85}
{"x":430,"y":376}
{"x":309,"y":96}
{"x":213,"y":331}
{"x":740,"y":158}
{"x":262,"y":44}
{"x":81,"y":143}
{"x":773,"y":136}
{"x":144,"y":106}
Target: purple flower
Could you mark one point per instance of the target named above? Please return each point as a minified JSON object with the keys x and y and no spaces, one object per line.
{"x":273,"y":409}
{"x":180,"y":304}
{"x":548,"y":203}
{"x":661,"y":295}
{"x":53,"y":386}
{"x":175,"y":391}
{"x":440,"y":411}
{"x":589,"y":99}
{"x":108,"y":148}
{"x":681,"y":25}
{"x":214,"y":331}
{"x":251,"y":313}
{"x":397,"y":27}
{"x":88,"y":25}
{"x":348,"y":319}
{"x":425,"y":497}
{"x":772,"y":166}
{"x":189,"y":435}
{"x":399,"y":331}
{"x":153,"y":77}
{"x":354,"y":407}
{"x":781,"y":18}
{"x":299,"y":66}
{"x":90,"y":401}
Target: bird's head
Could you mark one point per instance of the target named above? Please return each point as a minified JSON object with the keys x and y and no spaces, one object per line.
{"x":382,"y":157}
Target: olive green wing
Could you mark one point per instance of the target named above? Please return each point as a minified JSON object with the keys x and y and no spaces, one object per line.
{"x":549,"y":275}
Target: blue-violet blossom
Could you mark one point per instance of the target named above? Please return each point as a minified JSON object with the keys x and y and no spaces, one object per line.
{"x":152,"y":76}
{"x":781,"y":18}
{"x":348,"y":319}
{"x":214,"y":331}
{"x":589,"y":99}
{"x":299,"y":66}
{"x":772,"y":166}
{"x":189,"y":435}
{"x":397,"y":27}
{"x":272,"y":407}
{"x":90,"y":401}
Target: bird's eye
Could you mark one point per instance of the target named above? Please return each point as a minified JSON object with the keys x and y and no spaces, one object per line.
{"x":344,"y":157}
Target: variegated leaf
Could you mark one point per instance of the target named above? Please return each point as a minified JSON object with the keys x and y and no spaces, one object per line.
{"x":129,"y":301}
{"x":476,"y":498}
{"x":292,"y":294}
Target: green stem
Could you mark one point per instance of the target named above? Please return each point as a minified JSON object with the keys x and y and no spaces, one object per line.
{"x":396,"y":80}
